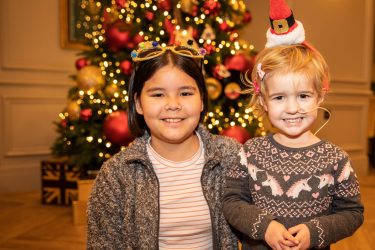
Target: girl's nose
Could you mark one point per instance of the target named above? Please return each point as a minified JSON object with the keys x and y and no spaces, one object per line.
{"x":173,"y":104}
{"x":292,"y":106}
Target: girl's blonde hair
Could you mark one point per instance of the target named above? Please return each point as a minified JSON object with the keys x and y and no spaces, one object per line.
{"x":298,"y":58}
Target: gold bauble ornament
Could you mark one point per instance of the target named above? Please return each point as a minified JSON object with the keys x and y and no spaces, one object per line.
{"x":232,"y":90}
{"x":187,"y":6}
{"x":74,"y":110}
{"x":111,"y":89}
{"x":214,"y":88}
{"x":90,"y":78}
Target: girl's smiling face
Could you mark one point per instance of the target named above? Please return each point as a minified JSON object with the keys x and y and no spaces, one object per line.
{"x":171,"y":104}
{"x":291,"y":104}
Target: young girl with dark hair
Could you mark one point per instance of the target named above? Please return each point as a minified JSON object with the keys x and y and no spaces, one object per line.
{"x":164,"y":190}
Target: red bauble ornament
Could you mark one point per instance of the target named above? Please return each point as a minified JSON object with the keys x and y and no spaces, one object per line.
{"x":121,"y":3}
{"x":86,"y":114}
{"x":239,"y":62}
{"x":149,"y":15}
{"x":164,"y":4}
{"x":211,"y":7}
{"x":118,"y":36}
{"x":115,"y":128}
{"x":81,"y":62}
{"x":126,"y":67}
{"x":247,"y":17}
{"x":238,"y":133}
{"x":224,"y":26}
{"x":209,"y":48}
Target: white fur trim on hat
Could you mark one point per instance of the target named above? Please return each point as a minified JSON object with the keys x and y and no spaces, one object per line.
{"x":296,"y":36}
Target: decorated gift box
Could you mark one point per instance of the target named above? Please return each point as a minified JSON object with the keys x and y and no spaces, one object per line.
{"x":59,"y":182}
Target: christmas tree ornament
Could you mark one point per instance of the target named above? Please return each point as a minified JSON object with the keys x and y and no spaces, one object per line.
{"x":208,"y":33}
{"x":116,"y":130}
{"x":232,"y":90}
{"x":81,"y":62}
{"x":188,"y":6}
{"x":239,"y":62}
{"x":209,"y":48}
{"x":220,"y":71}
{"x":165,"y":5}
{"x":247,"y":17}
{"x":238,"y":133}
{"x":121,"y":3}
{"x":90,"y":78}
{"x":86,"y":114}
{"x":284,"y":28}
{"x":73,"y":109}
{"x":126,"y":67}
{"x":118,"y":36}
{"x":149,"y":15}
{"x":223,"y":26}
{"x":211,"y":7}
{"x":214,"y":88}
{"x":111,"y":89}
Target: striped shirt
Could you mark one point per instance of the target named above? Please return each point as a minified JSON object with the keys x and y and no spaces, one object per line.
{"x":185,"y":221}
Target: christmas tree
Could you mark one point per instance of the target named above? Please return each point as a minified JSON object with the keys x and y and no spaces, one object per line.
{"x":93,"y":126}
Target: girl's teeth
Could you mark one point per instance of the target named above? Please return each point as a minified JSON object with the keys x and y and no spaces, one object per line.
{"x":172,"y":120}
{"x":294,"y":120}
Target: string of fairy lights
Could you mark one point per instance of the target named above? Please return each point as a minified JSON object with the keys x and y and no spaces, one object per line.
{"x":114,"y":97}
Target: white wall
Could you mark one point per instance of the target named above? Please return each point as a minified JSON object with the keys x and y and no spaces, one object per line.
{"x":34,"y":78}
{"x":342,"y":31}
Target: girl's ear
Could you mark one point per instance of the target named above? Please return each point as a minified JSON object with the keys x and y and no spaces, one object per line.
{"x":263,"y":103}
{"x":138,"y":105}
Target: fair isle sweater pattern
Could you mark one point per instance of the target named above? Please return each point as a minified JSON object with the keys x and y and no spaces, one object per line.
{"x":315,"y":185}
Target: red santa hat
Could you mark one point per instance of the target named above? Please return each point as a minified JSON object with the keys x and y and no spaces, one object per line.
{"x":284,"y":28}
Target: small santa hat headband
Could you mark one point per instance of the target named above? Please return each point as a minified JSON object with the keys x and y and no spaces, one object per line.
{"x":284,"y":28}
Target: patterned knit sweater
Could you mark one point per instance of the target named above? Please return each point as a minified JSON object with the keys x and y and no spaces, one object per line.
{"x":123,"y":209}
{"x":314,"y":185}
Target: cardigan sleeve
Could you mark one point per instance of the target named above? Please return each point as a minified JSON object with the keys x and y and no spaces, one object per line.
{"x":104,"y":215}
{"x":347,"y":210}
{"x":238,"y":207}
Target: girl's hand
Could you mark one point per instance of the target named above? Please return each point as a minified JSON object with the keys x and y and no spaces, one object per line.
{"x":278,"y":238}
{"x":302,"y":234}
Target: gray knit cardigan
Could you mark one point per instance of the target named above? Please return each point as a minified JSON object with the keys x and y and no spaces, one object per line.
{"x":123,"y":208}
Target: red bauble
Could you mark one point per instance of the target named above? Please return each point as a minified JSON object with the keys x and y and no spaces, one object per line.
{"x":247,"y":17}
{"x":86,"y":114}
{"x":211,"y":7}
{"x":239,"y":62}
{"x":115,"y":128}
{"x":121,"y":3}
{"x":118,"y":36}
{"x":126,"y":67}
{"x":238,"y":133}
{"x":209,"y":48}
{"x":224,"y":26}
{"x":81,"y":62}
{"x":149,"y":15}
{"x":165,"y":5}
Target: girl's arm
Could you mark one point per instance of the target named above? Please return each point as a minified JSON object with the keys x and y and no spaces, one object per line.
{"x":238,"y":207}
{"x":347,"y":210}
{"x":104,"y":212}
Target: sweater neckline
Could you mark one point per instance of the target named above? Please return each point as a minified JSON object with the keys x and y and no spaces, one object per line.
{"x":279,"y":145}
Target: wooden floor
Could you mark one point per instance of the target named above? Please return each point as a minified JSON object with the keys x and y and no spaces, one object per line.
{"x":27,"y":224}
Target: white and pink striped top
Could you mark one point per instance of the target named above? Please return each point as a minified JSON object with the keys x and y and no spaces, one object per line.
{"x":185,"y":221}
